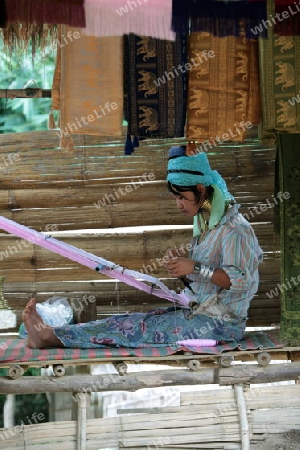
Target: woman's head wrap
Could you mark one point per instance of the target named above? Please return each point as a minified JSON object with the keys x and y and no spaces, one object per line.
{"x":192,"y":170}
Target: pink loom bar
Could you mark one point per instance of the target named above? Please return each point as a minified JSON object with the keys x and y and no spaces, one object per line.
{"x":82,"y":257}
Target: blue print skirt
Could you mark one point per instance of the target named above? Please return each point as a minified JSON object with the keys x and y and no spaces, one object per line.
{"x":156,"y":328}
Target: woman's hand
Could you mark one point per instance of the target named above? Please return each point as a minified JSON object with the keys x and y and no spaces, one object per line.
{"x":179,"y":267}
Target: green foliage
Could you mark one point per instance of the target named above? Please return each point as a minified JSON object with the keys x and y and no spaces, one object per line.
{"x":27,"y":404}
{"x":2,"y":401}
{"x":16,"y":70}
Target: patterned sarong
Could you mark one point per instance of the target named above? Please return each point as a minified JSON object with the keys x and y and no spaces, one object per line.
{"x":155,"y":87}
{"x":160,"y":327}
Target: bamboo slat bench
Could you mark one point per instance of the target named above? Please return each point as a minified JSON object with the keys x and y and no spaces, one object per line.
{"x":261,"y":347}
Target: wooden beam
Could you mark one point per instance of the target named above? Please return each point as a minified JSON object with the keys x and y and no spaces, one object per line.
{"x":108,"y":382}
{"x":238,"y":374}
{"x":25,"y":93}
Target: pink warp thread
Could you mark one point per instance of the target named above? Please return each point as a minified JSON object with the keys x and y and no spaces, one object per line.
{"x":117,"y":17}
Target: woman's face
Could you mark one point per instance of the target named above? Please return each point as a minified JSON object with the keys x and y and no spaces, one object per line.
{"x":186,"y":202}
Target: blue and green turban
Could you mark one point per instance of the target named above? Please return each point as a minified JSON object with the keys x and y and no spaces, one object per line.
{"x":192,"y":170}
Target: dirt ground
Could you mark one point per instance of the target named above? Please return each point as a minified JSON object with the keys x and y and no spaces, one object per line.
{"x":284,"y":441}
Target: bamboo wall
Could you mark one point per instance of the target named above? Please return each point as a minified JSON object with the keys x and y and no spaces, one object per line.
{"x":46,"y":189}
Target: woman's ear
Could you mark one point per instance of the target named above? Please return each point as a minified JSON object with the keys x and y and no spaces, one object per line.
{"x":201,"y":189}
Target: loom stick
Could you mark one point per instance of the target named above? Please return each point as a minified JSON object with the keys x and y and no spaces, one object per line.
{"x":94,"y":262}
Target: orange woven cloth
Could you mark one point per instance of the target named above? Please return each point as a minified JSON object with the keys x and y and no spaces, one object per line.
{"x":55,"y":90}
{"x":223,"y":88}
{"x":91,"y":87}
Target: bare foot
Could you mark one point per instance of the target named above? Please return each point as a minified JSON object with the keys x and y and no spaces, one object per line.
{"x":40,"y":335}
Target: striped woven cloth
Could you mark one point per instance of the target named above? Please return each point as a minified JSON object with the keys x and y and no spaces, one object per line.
{"x":16,"y":350}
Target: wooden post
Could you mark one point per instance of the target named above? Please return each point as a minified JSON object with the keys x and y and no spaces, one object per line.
{"x":9,"y":410}
{"x":243,"y":419}
{"x":25,"y":93}
{"x":81,"y":370}
{"x":81,"y":422}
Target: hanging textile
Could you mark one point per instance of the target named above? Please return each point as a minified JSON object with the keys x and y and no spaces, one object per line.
{"x":289,"y":155}
{"x":284,"y":2}
{"x":35,"y":22}
{"x":284,"y":18}
{"x":91,"y":90}
{"x":3,"y":16}
{"x":287,"y":21}
{"x":280,"y":85}
{"x":155,"y":86}
{"x":223,"y":89}
{"x":55,"y":89}
{"x":118,"y":17}
{"x":69,"y":12}
{"x":219,"y":18}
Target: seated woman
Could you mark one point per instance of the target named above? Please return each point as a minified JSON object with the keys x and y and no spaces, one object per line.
{"x":220,"y":273}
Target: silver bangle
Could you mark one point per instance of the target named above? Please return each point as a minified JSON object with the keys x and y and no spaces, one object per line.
{"x":206,"y":271}
{"x":203,"y":270}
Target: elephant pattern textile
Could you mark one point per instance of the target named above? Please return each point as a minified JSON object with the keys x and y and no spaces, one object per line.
{"x":155,"y":89}
{"x":223,"y":88}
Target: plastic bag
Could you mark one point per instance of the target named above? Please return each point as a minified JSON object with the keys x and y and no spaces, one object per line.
{"x":55,"y":311}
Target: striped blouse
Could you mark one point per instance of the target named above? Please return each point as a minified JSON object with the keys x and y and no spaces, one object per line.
{"x":233,"y":247}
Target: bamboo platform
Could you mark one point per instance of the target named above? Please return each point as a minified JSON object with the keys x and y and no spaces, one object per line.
{"x":194,"y":362}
